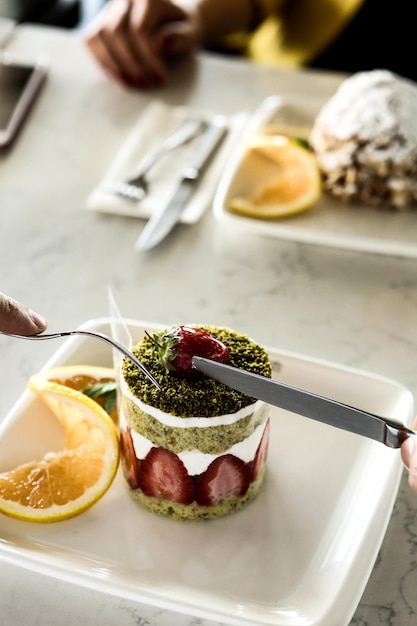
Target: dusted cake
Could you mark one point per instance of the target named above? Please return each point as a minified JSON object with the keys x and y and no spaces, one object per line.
{"x":196,"y":449}
{"x":365,"y":141}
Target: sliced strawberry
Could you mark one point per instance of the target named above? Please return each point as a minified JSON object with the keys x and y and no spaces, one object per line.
{"x":164,"y":476}
{"x":225,"y":476}
{"x":130,"y":462}
{"x":261,"y":453}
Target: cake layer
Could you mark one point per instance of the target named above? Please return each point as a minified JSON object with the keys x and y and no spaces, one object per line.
{"x":173,"y":421}
{"x":208,"y":435}
{"x":194,"y":460}
{"x":196,"y":512}
{"x":202,"y":487}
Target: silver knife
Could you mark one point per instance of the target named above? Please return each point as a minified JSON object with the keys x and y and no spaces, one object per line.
{"x":162,"y":222}
{"x":386,"y":431}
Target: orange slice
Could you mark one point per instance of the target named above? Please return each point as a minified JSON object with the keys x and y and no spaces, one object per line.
{"x":64,"y":483}
{"x":280,"y":177}
{"x":91,"y":380}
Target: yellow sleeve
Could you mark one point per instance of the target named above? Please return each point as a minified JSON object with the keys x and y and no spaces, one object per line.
{"x":296,"y":31}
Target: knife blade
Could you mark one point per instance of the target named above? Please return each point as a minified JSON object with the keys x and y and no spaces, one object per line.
{"x":386,"y":431}
{"x":163,"y":221}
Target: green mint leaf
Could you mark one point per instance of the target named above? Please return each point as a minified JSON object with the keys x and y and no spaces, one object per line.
{"x":100,"y":389}
{"x":110,"y":402}
{"x":303,"y":142}
{"x":107,"y":390}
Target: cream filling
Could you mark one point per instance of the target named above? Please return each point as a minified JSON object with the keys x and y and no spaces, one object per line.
{"x":197,"y":462}
{"x":168,"y":419}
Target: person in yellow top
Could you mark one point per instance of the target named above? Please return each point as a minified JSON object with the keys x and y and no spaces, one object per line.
{"x":133,"y":39}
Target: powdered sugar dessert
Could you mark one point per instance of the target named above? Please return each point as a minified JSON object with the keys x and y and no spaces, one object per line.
{"x":196,"y":449}
{"x":365,"y":140}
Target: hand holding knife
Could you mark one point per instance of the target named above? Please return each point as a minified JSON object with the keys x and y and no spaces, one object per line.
{"x":162,"y":222}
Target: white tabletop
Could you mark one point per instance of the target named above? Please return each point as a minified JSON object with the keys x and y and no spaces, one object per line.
{"x":356,"y":309}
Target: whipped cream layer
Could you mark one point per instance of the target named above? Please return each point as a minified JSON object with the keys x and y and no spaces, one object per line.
{"x":168,"y":419}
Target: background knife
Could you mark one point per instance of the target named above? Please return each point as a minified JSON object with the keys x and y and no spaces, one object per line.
{"x":386,"y":431}
{"x":162,"y":222}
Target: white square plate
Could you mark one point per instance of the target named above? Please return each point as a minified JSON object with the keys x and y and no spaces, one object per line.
{"x":329,"y":222}
{"x":301,"y":553}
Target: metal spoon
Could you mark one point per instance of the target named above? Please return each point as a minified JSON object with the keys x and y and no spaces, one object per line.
{"x":104,"y":338}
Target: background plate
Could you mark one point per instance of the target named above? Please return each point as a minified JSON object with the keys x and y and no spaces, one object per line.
{"x":301,"y":553}
{"x":329,"y":222}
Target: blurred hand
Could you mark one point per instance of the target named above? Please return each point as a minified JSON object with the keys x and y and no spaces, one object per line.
{"x":409,"y":458}
{"x":132,"y":39}
{"x":17,"y":318}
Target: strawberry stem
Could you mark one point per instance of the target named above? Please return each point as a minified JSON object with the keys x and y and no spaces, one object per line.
{"x":152,"y":338}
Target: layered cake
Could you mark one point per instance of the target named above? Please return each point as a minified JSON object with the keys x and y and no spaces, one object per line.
{"x":195,"y":449}
{"x":365,"y":141}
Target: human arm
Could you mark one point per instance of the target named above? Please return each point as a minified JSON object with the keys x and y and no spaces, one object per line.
{"x":125,"y":39}
{"x":19,"y":319}
{"x":132,"y":39}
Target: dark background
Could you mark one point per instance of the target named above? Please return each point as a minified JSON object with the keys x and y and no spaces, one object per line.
{"x":63,"y":13}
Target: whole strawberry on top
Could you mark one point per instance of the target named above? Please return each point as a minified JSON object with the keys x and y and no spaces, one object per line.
{"x":176,"y":347}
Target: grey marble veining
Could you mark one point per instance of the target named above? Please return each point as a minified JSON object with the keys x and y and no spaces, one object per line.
{"x":358,"y":310}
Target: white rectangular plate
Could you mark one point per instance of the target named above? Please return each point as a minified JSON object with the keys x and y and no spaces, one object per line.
{"x":301,"y":553}
{"x":329,"y":222}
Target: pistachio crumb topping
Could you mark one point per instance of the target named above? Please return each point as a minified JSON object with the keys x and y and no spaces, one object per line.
{"x":198,"y":395}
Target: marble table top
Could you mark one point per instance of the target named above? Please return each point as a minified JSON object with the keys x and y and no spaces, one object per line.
{"x":352,"y":308}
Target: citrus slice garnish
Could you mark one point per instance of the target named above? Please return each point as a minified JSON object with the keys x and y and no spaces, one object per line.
{"x":96,"y":382}
{"x":65,"y":482}
{"x":281,"y":177}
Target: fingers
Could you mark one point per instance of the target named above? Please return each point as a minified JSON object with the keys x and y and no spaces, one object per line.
{"x":142,"y":28}
{"x":107,"y":38}
{"x":17,"y":318}
{"x":409,"y":458}
{"x":177,"y":39}
{"x":125,"y":39}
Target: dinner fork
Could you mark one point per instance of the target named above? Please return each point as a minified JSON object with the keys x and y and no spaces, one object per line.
{"x":97,"y":335}
{"x":136,"y":188}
